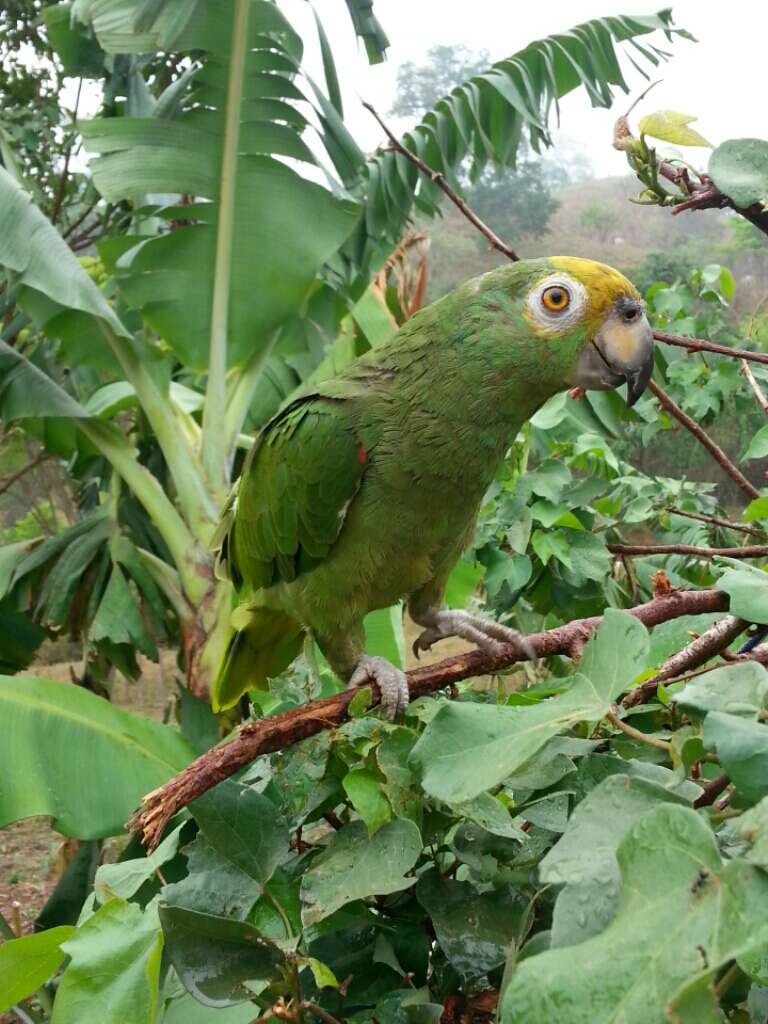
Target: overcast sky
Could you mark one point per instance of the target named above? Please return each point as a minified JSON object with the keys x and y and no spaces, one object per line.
{"x":721,"y":78}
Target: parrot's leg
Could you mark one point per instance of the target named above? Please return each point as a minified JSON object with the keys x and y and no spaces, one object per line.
{"x":489,"y":636}
{"x":391,"y":681}
{"x":346,"y":656}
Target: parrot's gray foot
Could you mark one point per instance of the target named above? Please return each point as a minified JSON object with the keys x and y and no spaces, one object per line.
{"x":489,"y":636}
{"x":391,"y":682}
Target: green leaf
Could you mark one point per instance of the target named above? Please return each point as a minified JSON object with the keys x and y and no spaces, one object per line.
{"x":124,"y":878}
{"x":213,"y":884}
{"x":739,"y":168}
{"x":364,"y":789}
{"x":214,"y":956}
{"x":187,"y":1010}
{"x":34,"y":250}
{"x":27,"y":963}
{"x":476,"y":931}
{"x":462,"y":583}
{"x":756,"y":449}
{"x":468,"y":748}
{"x":742,"y":749}
{"x":99,"y":760}
{"x":322,"y":973}
{"x":686,"y":903}
{"x":114,"y":963}
{"x":65,"y":903}
{"x":354,"y":866}
{"x":752,"y":827}
{"x":669,"y":126}
{"x":118,"y":618}
{"x":584,"y":858}
{"x":78,"y":51}
{"x":747,"y":588}
{"x":224,"y":144}
{"x":384,"y":634}
{"x":757,"y":509}
{"x":244,"y":827}
{"x":734,"y":690}
{"x":484,"y":119}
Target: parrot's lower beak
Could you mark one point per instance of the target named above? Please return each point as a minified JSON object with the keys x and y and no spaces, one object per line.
{"x":620,"y":352}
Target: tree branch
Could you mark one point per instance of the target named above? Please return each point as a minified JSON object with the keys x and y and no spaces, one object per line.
{"x":699,"y":345}
{"x":749,"y":551}
{"x":757,"y":391}
{"x":753,"y":531}
{"x":696,"y":653}
{"x":703,"y":438}
{"x":9,"y":481}
{"x":438,"y":179}
{"x":270,"y":734}
{"x":712,"y":791}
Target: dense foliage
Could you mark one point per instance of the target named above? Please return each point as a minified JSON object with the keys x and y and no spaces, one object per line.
{"x":524,"y":845}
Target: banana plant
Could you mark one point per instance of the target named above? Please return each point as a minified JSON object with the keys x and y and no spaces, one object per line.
{"x":253,"y":225}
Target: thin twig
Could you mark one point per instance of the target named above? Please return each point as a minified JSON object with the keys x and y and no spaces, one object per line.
{"x":748,"y":551}
{"x":636,"y":734}
{"x":762,"y":401}
{"x":9,"y":481}
{"x":320,"y":1012}
{"x":753,"y":531}
{"x":438,"y":179}
{"x":281,"y":731}
{"x":704,"y":439}
{"x":699,"y":345}
{"x":61,"y":190}
{"x":693,"y":655}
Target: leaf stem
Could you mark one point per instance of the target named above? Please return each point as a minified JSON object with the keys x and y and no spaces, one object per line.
{"x":636,"y":734}
{"x":214,"y":413}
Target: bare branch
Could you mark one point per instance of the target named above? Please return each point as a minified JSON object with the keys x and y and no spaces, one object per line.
{"x":753,"y":531}
{"x":699,"y":345}
{"x":703,"y":438}
{"x":442,"y":184}
{"x":694,"y":654}
{"x":762,"y":401}
{"x":270,"y":734}
{"x":749,"y":551}
{"x":9,"y":481}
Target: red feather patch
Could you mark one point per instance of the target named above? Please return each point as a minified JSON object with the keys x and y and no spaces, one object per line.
{"x":362,"y":455}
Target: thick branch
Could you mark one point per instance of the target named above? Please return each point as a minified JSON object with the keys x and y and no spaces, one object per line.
{"x":438,"y":179}
{"x":696,"y":653}
{"x":749,"y":551}
{"x":753,"y":531}
{"x":703,"y":438}
{"x":699,"y":345}
{"x":270,"y":734}
{"x":712,"y":790}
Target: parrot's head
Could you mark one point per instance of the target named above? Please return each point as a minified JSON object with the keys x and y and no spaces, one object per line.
{"x":600,"y":317}
{"x":573,"y":322}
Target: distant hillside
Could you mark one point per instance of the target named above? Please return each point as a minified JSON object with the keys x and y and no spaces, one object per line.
{"x":596,"y":219}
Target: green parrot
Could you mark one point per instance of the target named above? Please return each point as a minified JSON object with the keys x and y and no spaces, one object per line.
{"x":364,"y":489}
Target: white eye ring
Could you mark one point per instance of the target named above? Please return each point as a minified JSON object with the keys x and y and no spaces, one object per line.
{"x":557,"y":321}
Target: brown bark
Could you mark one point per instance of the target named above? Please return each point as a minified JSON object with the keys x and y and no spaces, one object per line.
{"x":267,"y":735}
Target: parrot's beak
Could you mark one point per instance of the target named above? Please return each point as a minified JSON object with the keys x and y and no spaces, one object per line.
{"x":621,"y":351}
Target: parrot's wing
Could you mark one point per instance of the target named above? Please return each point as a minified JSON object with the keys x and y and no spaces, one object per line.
{"x":297,"y":485}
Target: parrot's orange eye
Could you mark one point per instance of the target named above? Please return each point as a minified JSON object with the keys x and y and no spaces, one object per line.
{"x":555,"y":299}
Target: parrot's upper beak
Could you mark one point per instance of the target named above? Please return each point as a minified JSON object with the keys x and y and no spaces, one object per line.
{"x":621,"y":350}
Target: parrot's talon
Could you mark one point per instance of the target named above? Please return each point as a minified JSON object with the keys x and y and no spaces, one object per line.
{"x":391,"y":681}
{"x":486,"y":634}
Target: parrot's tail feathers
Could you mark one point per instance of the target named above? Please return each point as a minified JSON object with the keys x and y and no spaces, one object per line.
{"x":263,"y":648}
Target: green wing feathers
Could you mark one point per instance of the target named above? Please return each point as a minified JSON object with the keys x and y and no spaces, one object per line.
{"x":294,"y":493}
{"x":280,"y":521}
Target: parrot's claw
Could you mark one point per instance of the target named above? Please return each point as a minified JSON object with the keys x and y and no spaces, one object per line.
{"x":488,"y":635}
{"x":391,"y":682}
